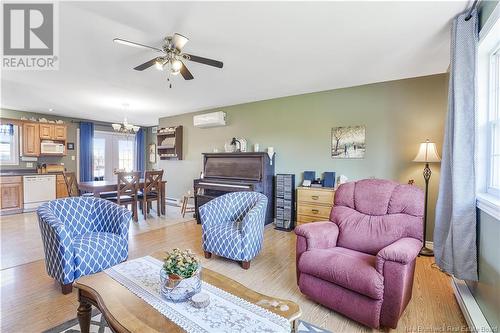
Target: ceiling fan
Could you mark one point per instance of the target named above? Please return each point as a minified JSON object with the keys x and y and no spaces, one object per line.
{"x":170,"y":56}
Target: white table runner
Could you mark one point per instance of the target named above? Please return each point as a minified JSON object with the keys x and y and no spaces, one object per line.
{"x":226,"y":312}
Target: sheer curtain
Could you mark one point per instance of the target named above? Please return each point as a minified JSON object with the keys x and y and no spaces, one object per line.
{"x":455,"y":226}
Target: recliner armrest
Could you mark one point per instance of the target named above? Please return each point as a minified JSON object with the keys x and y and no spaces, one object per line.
{"x":319,"y":235}
{"x":403,"y":251}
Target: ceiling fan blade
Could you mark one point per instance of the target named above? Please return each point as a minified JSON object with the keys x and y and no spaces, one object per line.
{"x":204,"y":61}
{"x":179,"y":41}
{"x":134,"y":44}
{"x":186,"y":74}
{"x":145,"y":65}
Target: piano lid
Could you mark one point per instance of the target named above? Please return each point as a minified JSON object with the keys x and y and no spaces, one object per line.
{"x":243,"y":166}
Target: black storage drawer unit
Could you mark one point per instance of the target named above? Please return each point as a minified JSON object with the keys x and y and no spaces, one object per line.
{"x":285,"y":202}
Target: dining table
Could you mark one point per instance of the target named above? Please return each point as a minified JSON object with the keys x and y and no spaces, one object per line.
{"x":101,"y":186}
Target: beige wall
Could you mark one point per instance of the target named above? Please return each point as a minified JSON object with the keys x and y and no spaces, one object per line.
{"x":398,"y":116}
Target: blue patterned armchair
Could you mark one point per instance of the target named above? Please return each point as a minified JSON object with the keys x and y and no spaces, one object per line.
{"x":233,"y":226}
{"x":81,"y":236}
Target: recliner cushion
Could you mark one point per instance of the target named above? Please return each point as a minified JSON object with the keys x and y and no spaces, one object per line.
{"x":350,"y":269}
{"x":97,"y":251}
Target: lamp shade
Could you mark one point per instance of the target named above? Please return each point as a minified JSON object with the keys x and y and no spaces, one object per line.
{"x":427,"y":153}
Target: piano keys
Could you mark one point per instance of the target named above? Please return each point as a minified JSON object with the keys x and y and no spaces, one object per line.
{"x":231,"y":172}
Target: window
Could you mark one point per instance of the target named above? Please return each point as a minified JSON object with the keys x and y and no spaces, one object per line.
{"x":112,"y":152}
{"x":9,"y":144}
{"x":494,"y":125}
{"x":99,"y":157}
{"x":488,"y":117}
{"x":126,"y":155}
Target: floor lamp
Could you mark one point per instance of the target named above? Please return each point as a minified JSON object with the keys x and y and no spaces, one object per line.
{"x":427,"y":153}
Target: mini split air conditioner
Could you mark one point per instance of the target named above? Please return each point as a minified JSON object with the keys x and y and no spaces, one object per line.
{"x":212,"y":119}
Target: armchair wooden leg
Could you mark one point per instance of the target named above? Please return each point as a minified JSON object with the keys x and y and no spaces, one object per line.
{"x":158,"y":208}
{"x":208,"y":255}
{"x":66,"y":288}
{"x":245,"y":264}
{"x":144,"y":210}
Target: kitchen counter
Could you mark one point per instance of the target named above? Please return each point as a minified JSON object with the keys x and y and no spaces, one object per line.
{"x":25,"y":172}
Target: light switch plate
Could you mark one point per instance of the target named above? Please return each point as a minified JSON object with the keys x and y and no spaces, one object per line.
{"x":72,"y":157}
{"x":29,"y":164}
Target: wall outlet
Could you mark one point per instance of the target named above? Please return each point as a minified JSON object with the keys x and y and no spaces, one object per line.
{"x":29,"y":164}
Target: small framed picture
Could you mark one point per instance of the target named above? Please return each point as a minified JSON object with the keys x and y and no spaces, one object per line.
{"x":152,"y":153}
{"x":71,"y":146}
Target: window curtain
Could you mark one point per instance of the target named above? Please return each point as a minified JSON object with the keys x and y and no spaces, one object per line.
{"x":455,"y":227}
{"x":86,"y":151}
{"x":140,"y":151}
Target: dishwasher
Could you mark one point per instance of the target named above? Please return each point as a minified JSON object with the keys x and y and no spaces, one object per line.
{"x":37,"y":190}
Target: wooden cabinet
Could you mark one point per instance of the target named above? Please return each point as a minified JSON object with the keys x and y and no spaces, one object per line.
{"x":46,"y":131}
{"x":314,"y":204}
{"x":60,"y":132}
{"x":53,"y":132}
{"x":31,"y":139}
{"x":11,"y":194}
{"x":61,"y":189}
{"x":170,"y":143}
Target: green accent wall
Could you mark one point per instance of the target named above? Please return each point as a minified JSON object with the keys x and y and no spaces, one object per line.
{"x":398,"y":116}
{"x":486,"y":291}
{"x":485,"y":10}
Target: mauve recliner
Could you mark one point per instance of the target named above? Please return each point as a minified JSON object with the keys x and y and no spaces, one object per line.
{"x":361,"y":262}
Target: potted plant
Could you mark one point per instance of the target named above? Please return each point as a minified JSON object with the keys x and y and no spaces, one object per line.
{"x":180,"y":275}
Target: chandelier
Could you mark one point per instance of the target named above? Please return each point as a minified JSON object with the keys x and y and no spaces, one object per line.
{"x":125,"y":128}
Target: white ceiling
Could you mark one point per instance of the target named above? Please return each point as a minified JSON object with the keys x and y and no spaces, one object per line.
{"x":269,"y":50}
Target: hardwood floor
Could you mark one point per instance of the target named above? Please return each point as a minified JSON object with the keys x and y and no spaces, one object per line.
{"x":32,"y":302}
{"x":21,"y":242}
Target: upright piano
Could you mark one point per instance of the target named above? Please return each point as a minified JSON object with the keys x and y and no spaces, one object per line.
{"x":232,"y":172}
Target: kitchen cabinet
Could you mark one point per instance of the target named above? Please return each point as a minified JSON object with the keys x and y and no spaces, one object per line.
{"x":31,"y":139}
{"x":60,"y":132}
{"x":11,"y":195}
{"x":46,"y":131}
{"x":53,"y":132}
{"x":61,"y":189}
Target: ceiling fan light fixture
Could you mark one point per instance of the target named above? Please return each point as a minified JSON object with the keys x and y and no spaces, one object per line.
{"x":116,"y":127}
{"x":159,"y":65}
{"x":179,"y":41}
{"x":176,"y":65}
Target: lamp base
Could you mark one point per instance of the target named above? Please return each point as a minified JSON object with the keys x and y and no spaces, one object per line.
{"x":426,"y":252}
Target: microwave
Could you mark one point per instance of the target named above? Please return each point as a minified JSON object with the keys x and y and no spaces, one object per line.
{"x":50,"y":147}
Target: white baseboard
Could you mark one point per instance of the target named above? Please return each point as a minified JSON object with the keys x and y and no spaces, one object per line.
{"x":473,"y":315}
{"x":172,"y":201}
{"x":429,"y":245}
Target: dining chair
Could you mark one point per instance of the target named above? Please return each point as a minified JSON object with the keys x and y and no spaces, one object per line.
{"x":151,"y":191}
{"x":71,"y":184}
{"x":74,"y":191}
{"x":126,"y":191}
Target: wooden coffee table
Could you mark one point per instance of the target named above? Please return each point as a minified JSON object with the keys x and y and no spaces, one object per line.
{"x":126,"y":312}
